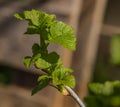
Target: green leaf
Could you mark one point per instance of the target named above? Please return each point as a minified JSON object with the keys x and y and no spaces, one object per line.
{"x":115,"y":49}
{"x":32,"y":30}
{"x":46,"y":61}
{"x":69,"y":80}
{"x":35,"y":17}
{"x":61,"y":77}
{"x":19,"y":16}
{"x":35,"y":48}
{"x":62,"y":34}
{"x":68,"y":70}
{"x":57,"y":77}
{"x":43,"y":82}
{"x":27,"y":61}
{"x":39,"y":22}
{"x":42,"y":63}
{"x":52,"y":57}
{"x":43,"y":77}
{"x":36,"y":57}
{"x":51,"y":30}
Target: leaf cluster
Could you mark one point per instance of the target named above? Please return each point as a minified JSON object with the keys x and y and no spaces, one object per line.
{"x":50,"y":31}
{"x":104,"y":95}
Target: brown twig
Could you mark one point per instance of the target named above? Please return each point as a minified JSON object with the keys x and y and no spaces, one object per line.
{"x":75,"y":96}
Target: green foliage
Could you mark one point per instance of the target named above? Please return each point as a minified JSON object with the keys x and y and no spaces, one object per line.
{"x":62,"y":34}
{"x":60,"y":76}
{"x":47,"y":61}
{"x":50,"y":31}
{"x":104,"y":89}
{"x":115,"y":49}
{"x":104,"y":95}
{"x":101,"y":93}
{"x":43,"y":82}
{"x":27,"y":61}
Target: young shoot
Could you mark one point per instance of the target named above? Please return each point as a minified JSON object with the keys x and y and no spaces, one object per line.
{"x":50,"y":31}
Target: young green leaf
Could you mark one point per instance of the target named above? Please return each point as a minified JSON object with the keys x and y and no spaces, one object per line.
{"x":27,"y":61}
{"x":38,"y":21}
{"x":43,"y":77}
{"x":32,"y":30}
{"x":43,"y":82}
{"x":62,"y":34}
{"x":61,"y":77}
{"x":42,"y":64}
{"x":47,"y":61}
{"x":51,"y":30}
{"x":36,"y":18}
{"x":35,"y":57}
{"x":52,"y":57}
{"x":69,"y":80}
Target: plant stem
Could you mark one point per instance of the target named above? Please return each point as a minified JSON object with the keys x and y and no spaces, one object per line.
{"x":75,"y":96}
{"x":43,"y":45}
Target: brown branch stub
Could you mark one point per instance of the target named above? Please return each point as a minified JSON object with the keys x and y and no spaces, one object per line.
{"x":75,"y":96}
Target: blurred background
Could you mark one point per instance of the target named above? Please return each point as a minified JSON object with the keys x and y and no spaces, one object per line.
{"x":97,"y":58}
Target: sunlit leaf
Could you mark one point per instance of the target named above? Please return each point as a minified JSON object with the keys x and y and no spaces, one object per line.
{"x":35,"y":17}
{"x":61,"y":77}
{"x":62,"y":34}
